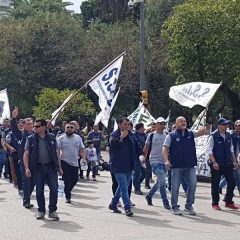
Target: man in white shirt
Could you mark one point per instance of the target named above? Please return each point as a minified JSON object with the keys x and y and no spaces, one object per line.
{"x":70,"y":145}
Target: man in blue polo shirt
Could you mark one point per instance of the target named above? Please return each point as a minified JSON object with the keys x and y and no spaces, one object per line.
{"x":222,"y":162}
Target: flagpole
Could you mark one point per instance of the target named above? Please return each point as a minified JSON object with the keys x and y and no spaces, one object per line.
{"x":86,"y":84}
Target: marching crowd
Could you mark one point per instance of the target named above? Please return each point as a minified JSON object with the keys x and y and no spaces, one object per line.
{"x":34,"y":154}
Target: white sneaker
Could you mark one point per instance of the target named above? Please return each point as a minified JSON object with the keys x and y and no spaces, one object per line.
{"x":190,"y":211}
{"x":177,"y":211}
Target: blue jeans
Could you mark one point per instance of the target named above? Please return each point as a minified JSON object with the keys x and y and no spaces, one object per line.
{"x":223,"y":182}
{"x":49,"y":174}
{"x":27,"y":184}
{"x":159,"y":170}
{"x":190,"y":176}
{"x":237,"y":178}
{"x":138,"y":175}
{"x":123,"y":180}
{"x":3,"y":159}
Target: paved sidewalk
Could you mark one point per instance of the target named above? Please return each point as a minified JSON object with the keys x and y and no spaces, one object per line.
{"x":89,"y":218}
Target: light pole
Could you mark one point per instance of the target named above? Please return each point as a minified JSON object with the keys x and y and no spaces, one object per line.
{"x":131,"y":4}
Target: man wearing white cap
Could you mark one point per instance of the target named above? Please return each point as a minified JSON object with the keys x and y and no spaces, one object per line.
{"x":155,"y":142}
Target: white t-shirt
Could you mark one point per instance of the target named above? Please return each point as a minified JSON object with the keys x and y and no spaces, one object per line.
{"x":91,"y":154}
{"x":70,"y":148}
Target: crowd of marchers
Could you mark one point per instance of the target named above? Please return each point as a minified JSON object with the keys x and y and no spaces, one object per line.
{"x":34,"y":154}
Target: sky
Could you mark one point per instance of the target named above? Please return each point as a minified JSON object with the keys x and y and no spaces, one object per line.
{"x":76,"y":5}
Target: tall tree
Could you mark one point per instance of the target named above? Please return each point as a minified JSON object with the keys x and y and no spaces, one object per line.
{"x":203,"y":44}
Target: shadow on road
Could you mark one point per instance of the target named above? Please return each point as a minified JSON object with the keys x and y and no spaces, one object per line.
{"x":66,"y":226}
{"x":84,"y":205}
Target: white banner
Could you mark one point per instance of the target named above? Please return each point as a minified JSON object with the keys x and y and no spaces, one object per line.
{"x":104,"y":115}
{"x":4,"y":105}
{"x":202,"y":156}
{"x":56,"y":113}
{"x":105,"y":83}
{"x":194,"y":93}
{"x":144,"y":117}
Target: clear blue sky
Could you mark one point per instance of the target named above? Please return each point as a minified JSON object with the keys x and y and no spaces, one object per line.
{"x":76,"y":5}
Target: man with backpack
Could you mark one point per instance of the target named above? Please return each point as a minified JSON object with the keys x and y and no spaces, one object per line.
{"x":153,"y":148}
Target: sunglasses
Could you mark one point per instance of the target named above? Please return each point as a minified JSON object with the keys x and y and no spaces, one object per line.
{"x":69,"y":127}
{"x":162,"y":123}
{"x":37,"y":126}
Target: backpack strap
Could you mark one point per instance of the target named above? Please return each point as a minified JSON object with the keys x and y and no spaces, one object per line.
{"x":150,"y":145}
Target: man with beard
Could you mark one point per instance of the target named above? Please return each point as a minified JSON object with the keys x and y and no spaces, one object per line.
{"x":70,"y":145}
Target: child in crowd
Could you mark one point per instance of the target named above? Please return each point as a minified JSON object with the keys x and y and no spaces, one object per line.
{"x":91,"y":156}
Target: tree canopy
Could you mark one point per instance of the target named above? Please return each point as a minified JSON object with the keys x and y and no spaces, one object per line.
{"x":42,"y":45}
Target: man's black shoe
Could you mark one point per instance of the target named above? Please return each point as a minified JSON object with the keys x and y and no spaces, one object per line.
{"x":28,"y":205}
{"x":138,"y":192}
{"x":129,"y":212}
{"x":114,"y":209}
{"x":147,"y":187}
{"x":149,"y":200}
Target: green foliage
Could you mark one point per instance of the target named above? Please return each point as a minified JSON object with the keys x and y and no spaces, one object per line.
{"x":90,"y":12}
{"x":203,"y":44}
{"x":40,"y":52}
{"x":22,"y":9}
{"x":49,"y":99}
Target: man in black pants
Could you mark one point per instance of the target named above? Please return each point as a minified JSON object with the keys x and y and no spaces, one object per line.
{"x":222,"y":162}
{"x":70,"y":145}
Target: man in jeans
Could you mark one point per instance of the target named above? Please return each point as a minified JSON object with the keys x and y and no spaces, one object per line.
{"x":156,"y":141}
{"x":139,"y":170}
{"x":21,"y":135}
{"x":123,"y":151}
{"x":40,"y":158}
{"x":179,"y":153}
{"x":223,"y":161}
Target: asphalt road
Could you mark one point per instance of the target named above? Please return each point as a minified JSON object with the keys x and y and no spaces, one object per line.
{"x":89,"y":218}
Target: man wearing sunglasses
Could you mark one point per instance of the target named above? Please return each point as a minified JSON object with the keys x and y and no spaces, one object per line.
{"x":41,"y":159}
{"x":70,"y":145}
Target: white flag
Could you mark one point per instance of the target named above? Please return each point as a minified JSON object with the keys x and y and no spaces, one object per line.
{"x":104,"y":115}
{"x":132,"y":117}
{"x":194,"y":93}
{"x":4,"y":105}
{"x":105,"y":83}
{"x":200,"y":121}
{"x":168,"y":119}
{"x":56,"y":113}
{"x":115,"y":127}
{"x":144,"y":117}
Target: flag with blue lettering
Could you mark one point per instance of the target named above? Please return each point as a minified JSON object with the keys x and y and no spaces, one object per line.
{"x":104,"y":84}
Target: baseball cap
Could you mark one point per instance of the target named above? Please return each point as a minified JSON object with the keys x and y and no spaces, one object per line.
{"x":223,"y":121}
{"x":237,"y":123}
{"x":160,"y":119}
